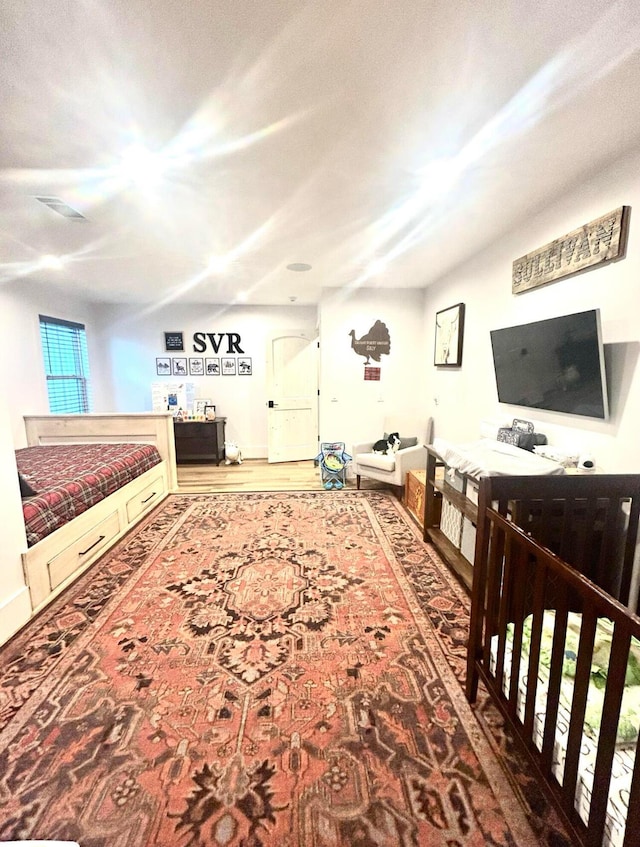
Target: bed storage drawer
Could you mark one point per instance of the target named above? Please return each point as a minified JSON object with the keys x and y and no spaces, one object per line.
{"x":83,"y":550}
{"x":145,"y":498}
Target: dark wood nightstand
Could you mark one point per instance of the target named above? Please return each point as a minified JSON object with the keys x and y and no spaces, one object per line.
{"x":199,"y":441}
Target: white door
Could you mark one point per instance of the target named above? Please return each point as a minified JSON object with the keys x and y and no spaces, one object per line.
{"x":292,"y":383}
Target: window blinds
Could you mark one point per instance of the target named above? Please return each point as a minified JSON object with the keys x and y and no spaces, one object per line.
{"x":66,"y":364}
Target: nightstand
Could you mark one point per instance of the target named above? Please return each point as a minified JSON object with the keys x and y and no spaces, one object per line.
{"x":199,"y":441}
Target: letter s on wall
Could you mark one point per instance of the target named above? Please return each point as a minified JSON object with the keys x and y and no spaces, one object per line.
{"x":199,"y":344}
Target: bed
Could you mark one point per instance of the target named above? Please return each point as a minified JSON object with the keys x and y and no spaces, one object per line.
{"x":95,"y":476}
{"x":555,"y":640}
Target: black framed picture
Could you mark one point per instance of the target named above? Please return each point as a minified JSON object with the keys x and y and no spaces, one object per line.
{"x":196,"y":367}
{"x":212,"y":366}
{"x":163,"y":366}
{"x":173,"y":341}
{"x":179,"y":367}
{"x":244,"y":366}
{"x":449,"y":330}
{"x":228,"y":367}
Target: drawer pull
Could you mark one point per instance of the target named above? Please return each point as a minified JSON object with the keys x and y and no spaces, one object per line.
{"x":153,"y":494}
{"x":84,"y":552}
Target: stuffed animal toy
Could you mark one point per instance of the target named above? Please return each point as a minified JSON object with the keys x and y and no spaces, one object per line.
{"x":391,"y":444}
{"x":232,"y":453}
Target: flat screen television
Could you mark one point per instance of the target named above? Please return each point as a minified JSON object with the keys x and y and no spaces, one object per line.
{"x":555,"y":364}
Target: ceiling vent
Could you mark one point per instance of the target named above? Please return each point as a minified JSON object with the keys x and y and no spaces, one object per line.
{"x":61,"y":208}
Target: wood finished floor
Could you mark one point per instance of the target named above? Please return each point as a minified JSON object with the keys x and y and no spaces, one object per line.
{"x":256,"y":475}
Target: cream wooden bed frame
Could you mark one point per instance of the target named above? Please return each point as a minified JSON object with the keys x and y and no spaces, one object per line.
{"x":54,"y":563}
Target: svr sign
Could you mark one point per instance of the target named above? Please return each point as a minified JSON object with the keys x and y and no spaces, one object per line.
{"x":201,"y":339}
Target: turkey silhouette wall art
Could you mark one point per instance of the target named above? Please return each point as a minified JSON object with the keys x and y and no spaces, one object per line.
{"x":373,"y":344}
{"x":449,"y":328}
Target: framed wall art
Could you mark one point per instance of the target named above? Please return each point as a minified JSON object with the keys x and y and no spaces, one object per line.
{"x":163,"y":366}
{"x":212,"y":366}
{"x":228,"y":367}
{"x":449,"y":332}
{"x":244,"y":366}
{"x":179,"y":367}
{"x":196,"y":367}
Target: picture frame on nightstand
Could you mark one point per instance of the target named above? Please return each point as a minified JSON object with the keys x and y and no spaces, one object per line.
{"x":200,"y":405}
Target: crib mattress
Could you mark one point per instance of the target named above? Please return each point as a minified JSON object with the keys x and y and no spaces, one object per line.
{"x":69,"y":479}
{"x":624,"y":757}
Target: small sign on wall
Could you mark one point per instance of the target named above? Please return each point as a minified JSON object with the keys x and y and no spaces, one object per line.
{"x":173,"y":341}
{"x":374,"y":344}
{"x":602,"y":240}
{"x":371,"y":374}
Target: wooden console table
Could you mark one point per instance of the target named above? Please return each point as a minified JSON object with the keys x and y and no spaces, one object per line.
{"x":199,"y":441}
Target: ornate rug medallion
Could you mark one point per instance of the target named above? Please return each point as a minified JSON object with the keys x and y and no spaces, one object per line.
{"x":247,"y":671}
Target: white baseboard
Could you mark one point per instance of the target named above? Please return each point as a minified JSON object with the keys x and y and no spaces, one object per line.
{"x":15,"y":612}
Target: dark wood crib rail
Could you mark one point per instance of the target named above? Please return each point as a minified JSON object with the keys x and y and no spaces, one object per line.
{"x":536,"y":539}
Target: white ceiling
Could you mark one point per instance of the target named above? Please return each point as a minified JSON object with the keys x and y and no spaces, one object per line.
{"x":333,"y":132}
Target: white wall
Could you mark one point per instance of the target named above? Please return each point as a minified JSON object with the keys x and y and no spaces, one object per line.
{"x":467,"y":395}
{"x":130,"y":340}
{"x":351,"y":408}
{"x":21,"y":303}
{"x":15,"y":605}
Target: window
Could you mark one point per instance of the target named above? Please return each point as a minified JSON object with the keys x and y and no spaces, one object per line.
{"x":66,"y":365}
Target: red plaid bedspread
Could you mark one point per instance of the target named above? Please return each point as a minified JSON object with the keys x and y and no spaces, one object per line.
{"x":69,"y":479}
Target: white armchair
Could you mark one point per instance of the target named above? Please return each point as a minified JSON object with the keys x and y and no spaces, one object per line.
{"x":393,"y":468}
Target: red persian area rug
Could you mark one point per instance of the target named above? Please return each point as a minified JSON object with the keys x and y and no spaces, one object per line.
{"x":252,"y":670}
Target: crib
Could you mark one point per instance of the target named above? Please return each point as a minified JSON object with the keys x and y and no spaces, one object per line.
{"x":555,"y":640}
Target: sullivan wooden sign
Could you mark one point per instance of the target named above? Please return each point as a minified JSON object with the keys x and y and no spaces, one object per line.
{"x":599,"y":241}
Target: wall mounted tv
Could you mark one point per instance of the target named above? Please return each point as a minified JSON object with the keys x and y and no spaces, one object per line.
{"x":555,"y":364}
